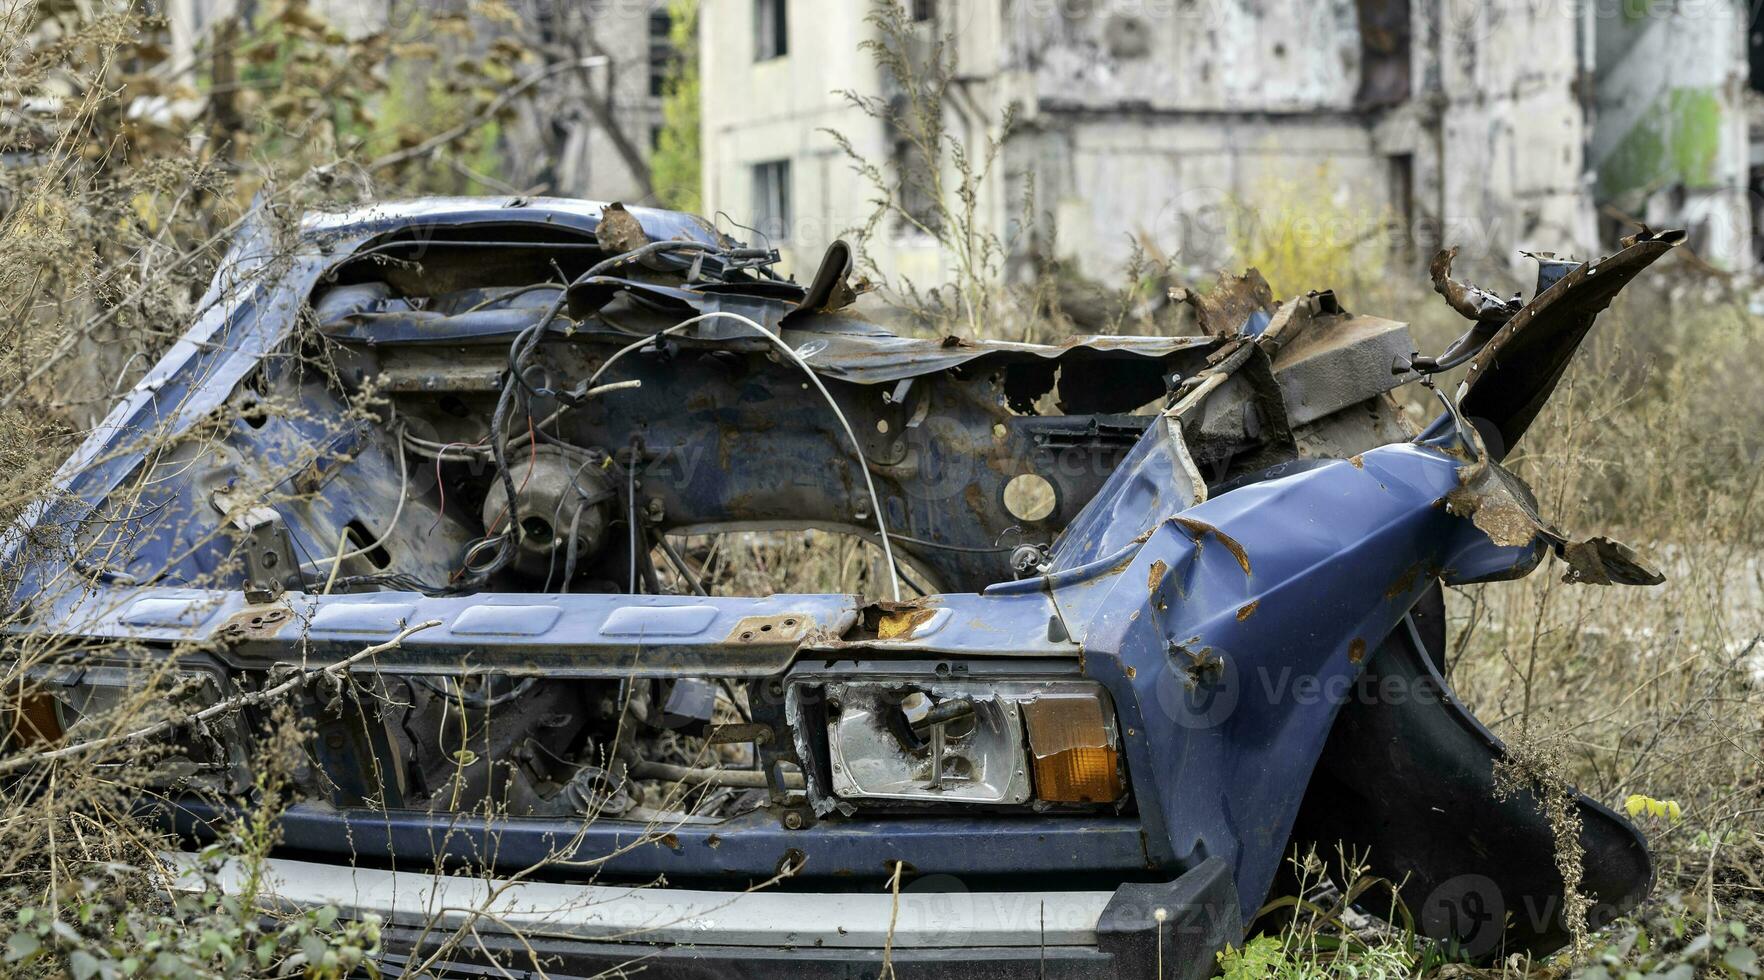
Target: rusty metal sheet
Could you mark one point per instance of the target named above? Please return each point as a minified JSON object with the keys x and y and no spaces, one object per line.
{"x":1511,"y":379}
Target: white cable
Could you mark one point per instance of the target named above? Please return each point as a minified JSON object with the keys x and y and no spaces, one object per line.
{"x":790,"y":352}
{"x":403,"y":486}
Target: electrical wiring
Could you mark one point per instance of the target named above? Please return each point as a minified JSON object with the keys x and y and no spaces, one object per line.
{"x":468,"y":452}
{"x":583,"y":501}
{"x":451,"y":690}
{"x":397,"y":512}
{"x":520,"y":349}
{"x":815,"y":379}
{"x":631,"y":498}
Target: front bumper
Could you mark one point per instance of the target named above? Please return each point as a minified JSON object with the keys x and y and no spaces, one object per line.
{"x":534,"y":928}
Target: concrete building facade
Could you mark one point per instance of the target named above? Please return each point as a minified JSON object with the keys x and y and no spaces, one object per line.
{"x":1497,"y":125}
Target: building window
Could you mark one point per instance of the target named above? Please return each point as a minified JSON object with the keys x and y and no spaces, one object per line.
{"x":923,"y":10}
{"x":917,"y":189}
{"x":662,"y":56}
{"x":771,"y":29}
{"x":771,"y":199}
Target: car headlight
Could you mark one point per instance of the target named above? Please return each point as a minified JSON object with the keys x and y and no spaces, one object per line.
{"x":82,"y":702}
{"x":1004,"y":743}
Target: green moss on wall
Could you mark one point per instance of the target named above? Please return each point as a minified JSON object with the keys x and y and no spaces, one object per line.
{"x":1674,"y":142}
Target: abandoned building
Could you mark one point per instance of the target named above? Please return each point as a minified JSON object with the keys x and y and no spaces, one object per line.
{"x":1498,"y":125}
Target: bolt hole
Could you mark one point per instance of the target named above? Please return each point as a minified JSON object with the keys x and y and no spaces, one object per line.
{"x":537,"y":530}
{"x":361,"y":535}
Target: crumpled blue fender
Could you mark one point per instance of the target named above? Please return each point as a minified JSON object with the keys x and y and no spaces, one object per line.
{"x":1231,"y":637}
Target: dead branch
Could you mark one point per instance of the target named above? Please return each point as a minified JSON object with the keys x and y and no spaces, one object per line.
{"x":485,"y":114}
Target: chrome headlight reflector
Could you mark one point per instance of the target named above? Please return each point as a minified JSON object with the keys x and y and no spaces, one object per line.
{"x":981,"y":742}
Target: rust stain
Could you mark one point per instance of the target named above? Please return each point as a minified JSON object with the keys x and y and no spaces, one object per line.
{"x":975,"y":499}
{"x":254,"y":622}
{"x":1131,"y":673}
{"x":1156,"y":578}
{"x":1356,"y":650}
{"x":1359,"y":464}
{"x":899,"y":624}
{"x":1121,"y":565}
{"x":1248,"y":610}
{"x":1404,"y":582}
{"x":1196,"y":529}
{"x":779,"y":628}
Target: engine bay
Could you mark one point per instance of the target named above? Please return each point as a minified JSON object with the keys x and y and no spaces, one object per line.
{"x":495,"y":411}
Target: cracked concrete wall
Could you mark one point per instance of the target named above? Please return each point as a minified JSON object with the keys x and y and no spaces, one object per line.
{"x":1168,"y":125}
{"x":1485,"y":123}
{"x":1669,"y":144}
{"x":1500,"y":94}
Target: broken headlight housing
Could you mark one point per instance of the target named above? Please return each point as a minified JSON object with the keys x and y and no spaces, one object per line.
{"x":80,"y":702}
{"x":1001,"y":743}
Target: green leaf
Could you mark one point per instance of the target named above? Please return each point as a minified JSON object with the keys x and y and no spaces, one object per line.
{"x":1260,"y":957}
{"x":22,"y":946}
{"x":1741,"y":960}
{"x":82,"y":965}
{"x":313,"y":947}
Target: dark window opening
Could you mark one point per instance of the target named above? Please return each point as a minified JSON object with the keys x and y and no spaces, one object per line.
{"x":771,"y":29}
{"x":1755,"y":203}
{"x":917,"y":190}
{"x":924,"y":10}
{"x":771,"y":199}
{"x":1755,"y":51}
{"x":662,"y":56}
{"x":1385,"y":31}
{"x":1402,"y":202}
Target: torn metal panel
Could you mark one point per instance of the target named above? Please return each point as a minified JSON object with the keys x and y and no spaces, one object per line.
{"x":1513,"y":376}
{"x":1229,"y":305}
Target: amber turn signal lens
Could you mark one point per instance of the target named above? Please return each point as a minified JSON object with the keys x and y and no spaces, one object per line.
{"x":1079,"y":776}
{"x":1072,"y":743}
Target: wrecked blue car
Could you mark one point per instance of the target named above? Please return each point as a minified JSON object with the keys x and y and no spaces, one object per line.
{"x":1145,"y":616}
